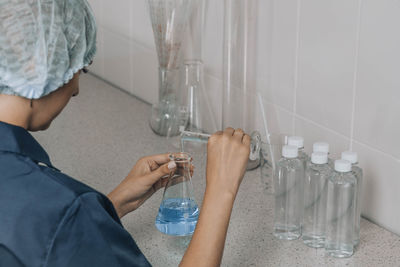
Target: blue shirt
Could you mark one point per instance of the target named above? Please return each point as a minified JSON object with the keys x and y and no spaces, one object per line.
{"x":49,"y":219}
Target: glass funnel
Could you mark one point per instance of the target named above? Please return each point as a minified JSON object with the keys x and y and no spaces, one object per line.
{"x":169,"y":19}
{"x":178,"y":211}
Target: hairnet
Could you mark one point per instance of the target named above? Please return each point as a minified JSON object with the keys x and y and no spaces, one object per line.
{"x":43,"y":43}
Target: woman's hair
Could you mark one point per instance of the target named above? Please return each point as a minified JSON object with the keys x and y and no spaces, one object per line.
{"x":43,"y":43}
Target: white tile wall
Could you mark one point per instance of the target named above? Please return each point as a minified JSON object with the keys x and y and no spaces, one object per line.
{"x":327,"y":70}
{"x":377,"y":109}
{"x":327,"y":41}
{"x":283,"y":56}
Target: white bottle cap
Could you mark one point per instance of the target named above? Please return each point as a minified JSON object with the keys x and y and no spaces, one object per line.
{"x":342,"y":165}
{"x":321,"y":147}
{"x":350,"y":156}
{"x":290,"y":152}
{"x":319,"y":158}
{"x":296,"y":141}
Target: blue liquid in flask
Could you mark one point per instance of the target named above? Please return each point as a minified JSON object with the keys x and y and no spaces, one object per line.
{"x":177,"y":216}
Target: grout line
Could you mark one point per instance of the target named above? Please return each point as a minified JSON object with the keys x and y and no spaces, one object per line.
{"x":321,"y":126}
{"x":357,"y":48}
{"x":377,"y":150}
{"x":296,"y":65}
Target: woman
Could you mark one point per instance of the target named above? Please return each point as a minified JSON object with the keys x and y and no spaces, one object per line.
{"x":46,"y":217}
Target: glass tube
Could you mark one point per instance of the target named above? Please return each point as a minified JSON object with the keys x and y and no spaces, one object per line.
{"x":239,"y":63}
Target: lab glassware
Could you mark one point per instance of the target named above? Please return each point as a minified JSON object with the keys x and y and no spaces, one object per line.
{"x":200,"y":115}
{"x":271,"y":152}
{"x":178,"y":212}
{"x":357,"y":171}
{"x":255,"y":145}
{"x":165,"y":113}
{"x":340,"y":213}
{"x":169,"y":19}
{"x":288,"y":195}
{"x":315,"y":192}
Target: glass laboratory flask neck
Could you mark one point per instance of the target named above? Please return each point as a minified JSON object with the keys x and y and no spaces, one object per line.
{"x":201,"y":117}
{"x":193,"y":72}
{"x":179,"y":182}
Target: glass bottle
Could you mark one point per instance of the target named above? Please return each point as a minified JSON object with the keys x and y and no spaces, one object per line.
{"x":340,"y":211}
{"x":178,"y":212}
{"x":315,"y":191}
{"x":353,"y":158}
{"x":288,"y":195}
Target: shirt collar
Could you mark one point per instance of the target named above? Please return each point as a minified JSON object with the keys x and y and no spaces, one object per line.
{"x":16,"y":139}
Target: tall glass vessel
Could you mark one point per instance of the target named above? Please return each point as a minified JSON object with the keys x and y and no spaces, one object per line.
{"x":169,"y":19}
{"x":178,"y":211}
{"x":239,"y":64}
{"x":200,"y":116}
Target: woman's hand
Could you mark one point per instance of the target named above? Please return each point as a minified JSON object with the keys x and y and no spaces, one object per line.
{"x":147,"y":176}
{"x":228,"y":153}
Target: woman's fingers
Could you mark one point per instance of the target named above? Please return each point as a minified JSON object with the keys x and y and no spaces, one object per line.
{"x":238,"y":134}
{"x":229,"y":131}
{"x":163,"y":170}
{"x":246,"y":139}
{"x":159,"y":159}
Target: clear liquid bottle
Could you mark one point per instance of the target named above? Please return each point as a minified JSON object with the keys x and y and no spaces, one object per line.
{"x":340,"y":211}
{"x":324,"y":148}
{"x":315,"y":192}
{"x":353,"y":158}
{"x":288,"y":185}
{"x":298,"y":142}
{"x":178,"y":211}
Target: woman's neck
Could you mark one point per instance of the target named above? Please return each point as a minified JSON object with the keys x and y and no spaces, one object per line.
{"x":15,"y":110}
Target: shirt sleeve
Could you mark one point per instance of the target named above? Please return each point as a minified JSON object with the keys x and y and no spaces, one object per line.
{"x":90,"y":234}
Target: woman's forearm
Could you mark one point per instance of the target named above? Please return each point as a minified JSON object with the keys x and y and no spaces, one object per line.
{"x":207,"y":245}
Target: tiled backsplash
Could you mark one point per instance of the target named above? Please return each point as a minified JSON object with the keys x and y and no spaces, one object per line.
{"x":327,"y":70}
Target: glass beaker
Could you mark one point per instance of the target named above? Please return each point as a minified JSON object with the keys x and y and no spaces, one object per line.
{"x":178,"y":211}
{"x":201,"y":118}
{"x":271,"y":152}
{"x":169,"y":19}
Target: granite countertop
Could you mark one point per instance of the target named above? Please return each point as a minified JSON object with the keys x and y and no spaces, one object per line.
{"x":101,"y":134}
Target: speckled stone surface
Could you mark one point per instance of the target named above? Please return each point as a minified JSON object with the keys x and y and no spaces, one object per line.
{"x":101,"y":134}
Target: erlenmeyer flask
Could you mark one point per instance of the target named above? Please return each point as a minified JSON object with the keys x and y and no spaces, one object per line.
{"x":178,"y":211}
{"x":201,"y":118}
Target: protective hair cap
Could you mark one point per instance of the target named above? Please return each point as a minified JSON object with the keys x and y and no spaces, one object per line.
{"x":43,"y":43}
